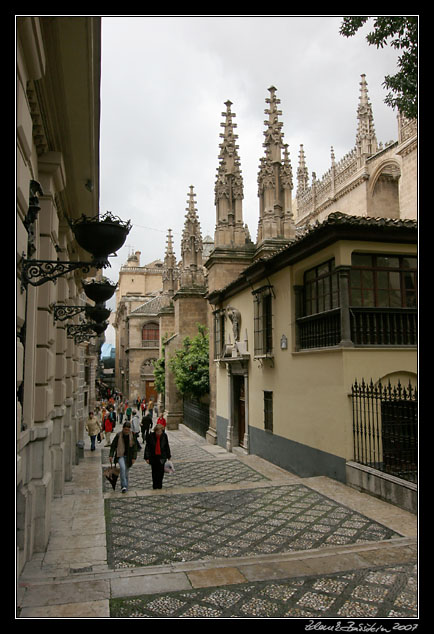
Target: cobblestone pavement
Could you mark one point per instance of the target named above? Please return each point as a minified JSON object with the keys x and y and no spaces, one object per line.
{"x":382,"y":593}
{"x":143,"y":531}
{"x":228,"y":536}
{"x":261,"y":520}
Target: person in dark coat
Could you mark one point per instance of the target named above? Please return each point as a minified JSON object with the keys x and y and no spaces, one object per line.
{"x":124,"y":451}
{"x":157,"y":451}
{"x":145,"y":425}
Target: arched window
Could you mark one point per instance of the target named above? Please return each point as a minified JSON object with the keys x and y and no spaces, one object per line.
{"x":151,"y":335}
{"x":385,"y":192}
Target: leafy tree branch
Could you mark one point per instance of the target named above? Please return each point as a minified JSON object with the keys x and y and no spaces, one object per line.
{"x":400,"y":32}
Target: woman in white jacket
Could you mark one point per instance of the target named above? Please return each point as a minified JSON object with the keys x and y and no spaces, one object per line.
{"x":135,"y":426}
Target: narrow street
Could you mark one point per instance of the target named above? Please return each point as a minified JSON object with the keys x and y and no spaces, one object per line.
{"x":230,"y":535}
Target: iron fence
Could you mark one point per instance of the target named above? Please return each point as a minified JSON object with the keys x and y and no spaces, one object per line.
{"x":385,"y":428}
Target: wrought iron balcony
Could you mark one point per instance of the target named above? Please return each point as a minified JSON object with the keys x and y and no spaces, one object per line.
{"x":368,"y":327}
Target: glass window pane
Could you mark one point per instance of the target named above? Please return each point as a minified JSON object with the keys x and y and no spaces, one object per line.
{"x":409,"y":281}
{"x":387,"y":261}
{"x":395,"y":280}
{"x":409,"y":263}
{"x":355,"y":278}
{"x":356,"y":297}
{"x":383,"y":279}
{"x":383,"y":298}
{"x":367,"y":279}
{"x":410,"y":300}
{"x":361,"y":259}
{"x":368,"y":298}
{"x":323,"y":269}
{"x":395,"y":299}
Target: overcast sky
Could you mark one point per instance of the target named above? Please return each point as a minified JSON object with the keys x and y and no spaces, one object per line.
{"x":164,"y":83}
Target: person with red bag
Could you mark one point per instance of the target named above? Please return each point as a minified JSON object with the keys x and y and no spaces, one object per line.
{"x":107,"y":427}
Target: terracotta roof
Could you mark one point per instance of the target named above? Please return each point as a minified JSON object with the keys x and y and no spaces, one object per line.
{"x":337,"y":226}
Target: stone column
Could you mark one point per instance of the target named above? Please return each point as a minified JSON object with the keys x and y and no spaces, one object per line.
{"x":344,"y":274}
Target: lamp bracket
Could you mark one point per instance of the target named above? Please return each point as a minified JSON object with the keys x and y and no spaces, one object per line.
{"x":37,"y":272}
{"x":63,"y":312}
{"x":73,"y":330}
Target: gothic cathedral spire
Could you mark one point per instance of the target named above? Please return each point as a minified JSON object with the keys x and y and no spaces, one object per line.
{"x":191,"y":247}
{"x":276,"y":225}
{"x":366,"y":140}
{"x":169,"y":271}
{"x":230,"y":230}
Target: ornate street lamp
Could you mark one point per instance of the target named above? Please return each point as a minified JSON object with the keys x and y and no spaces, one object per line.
{"x":100,"y":236}
{"x":99,"y":291}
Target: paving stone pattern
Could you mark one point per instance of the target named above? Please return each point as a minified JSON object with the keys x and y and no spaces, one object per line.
{"x":189,"y":474}
{"x":387,"y":592}
{"x":158,"y":530}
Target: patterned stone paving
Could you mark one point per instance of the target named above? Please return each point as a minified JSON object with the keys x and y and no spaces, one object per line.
{"x":156,"y":530}
{"x":181,"y":451}
{"x":189,"y":474}
{"x":387,"y":592}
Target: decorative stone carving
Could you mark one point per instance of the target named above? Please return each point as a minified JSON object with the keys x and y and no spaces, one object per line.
{"x":235,"y":317}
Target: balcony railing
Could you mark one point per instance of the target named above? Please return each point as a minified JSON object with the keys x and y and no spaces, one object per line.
{"x":367,"y":327}
{"x":150,"y":343}
{"x":320,"y":331}
{"x":384,"y":326}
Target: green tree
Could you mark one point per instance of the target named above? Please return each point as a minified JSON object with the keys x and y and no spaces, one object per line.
{"x":190,"y":365}
{"x":400,"y":32}
{"x":160,"y":373}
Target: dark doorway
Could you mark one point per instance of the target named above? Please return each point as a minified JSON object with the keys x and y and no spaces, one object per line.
{"x":239,"y":409}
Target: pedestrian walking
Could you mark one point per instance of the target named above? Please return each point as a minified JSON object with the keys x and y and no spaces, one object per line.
{"x":161,"y":421}
{"x":128,"y":411}
{"x":135,"y":427}
{"x":151,"y":407}
{"x":145,"y":425}
{"x":157,"y":451}
{"x":108,"y":428}
{"x":124,"y":451}
{"x":121,"y":412}
{"x":93,"y":429}
{"x":112,"y":416}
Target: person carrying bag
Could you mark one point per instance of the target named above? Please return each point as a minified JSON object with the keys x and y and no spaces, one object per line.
{"x":157,"y":452}
{"x":124,"y":451}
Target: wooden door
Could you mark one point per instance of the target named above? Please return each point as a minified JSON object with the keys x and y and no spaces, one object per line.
{"x":151,"y":391}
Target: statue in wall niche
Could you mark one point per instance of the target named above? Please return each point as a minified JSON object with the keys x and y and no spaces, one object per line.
{"x":235,"y":317}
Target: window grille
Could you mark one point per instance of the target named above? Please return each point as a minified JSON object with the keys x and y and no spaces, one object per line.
{"x":219,"y":333}
{"x":150,"y":336}
{"x":268,"y":411}
{"x":263,"y":322}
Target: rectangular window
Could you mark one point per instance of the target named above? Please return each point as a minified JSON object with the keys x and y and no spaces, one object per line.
{"x":321,"y":289}
{"x":383,"y":281}
{"x":263,"y":321}
{"x":219,"y":333}
{"x":268,"y":411}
